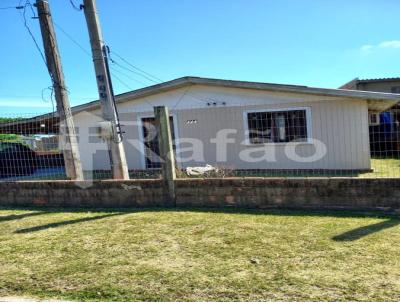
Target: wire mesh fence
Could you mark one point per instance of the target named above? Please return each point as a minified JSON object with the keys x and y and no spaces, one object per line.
{"x":31,"y":149}
{"x":306,"y":140}
{"x":216,"y":140}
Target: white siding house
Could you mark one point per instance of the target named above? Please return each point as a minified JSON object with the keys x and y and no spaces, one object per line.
{"x":288,"y":120}
{"x":232,"y":124}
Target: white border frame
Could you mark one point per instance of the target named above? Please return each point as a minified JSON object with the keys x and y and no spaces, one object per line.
{"x":141,"y":116}
{"x":308,"y":125}
{"x":378,"y":118}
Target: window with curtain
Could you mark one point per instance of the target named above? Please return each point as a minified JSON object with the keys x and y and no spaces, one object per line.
{"x":277,"y":126}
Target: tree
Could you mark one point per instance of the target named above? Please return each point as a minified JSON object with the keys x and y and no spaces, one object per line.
{"x":9,"y":137}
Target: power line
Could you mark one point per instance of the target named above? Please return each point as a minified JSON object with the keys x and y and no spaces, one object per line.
{"x":79,"y":45}
{"x":122,"y":82}
{"x":137,"y":68}
{"x":191,"y":94}
{"x":128,"y":76}
{"x":130,"y":88}
{"x":72,"y":39}
{"x":139,"y":71}
{"x":51,"y":96}
{"x":25,"y":22}
{"x":11,"y":7}
{"x":76,"y":7}
{"x":134,"y":72}
{"x":19,"y":96}
{"x":181,"y":97}
{"x":156,"y":79}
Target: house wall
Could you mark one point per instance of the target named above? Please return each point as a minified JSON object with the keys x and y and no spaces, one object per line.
{"x":375,"y":86}
{"x":335,"y":124}
{"x":340,"y":124}
{"x":379,"y":86}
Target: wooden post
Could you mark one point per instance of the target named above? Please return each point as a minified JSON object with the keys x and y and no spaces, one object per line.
{"x":70,"y":150}
{"x":107,"y":100}
{"x":167,"y":155}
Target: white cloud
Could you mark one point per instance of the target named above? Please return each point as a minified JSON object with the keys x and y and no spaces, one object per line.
{"x":390,"y":44}
{"x":368,"y":48}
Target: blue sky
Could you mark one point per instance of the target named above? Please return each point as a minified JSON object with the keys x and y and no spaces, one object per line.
{"x":312,"y":42}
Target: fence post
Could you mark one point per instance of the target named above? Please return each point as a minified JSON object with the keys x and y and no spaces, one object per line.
{"x":161,"y":114}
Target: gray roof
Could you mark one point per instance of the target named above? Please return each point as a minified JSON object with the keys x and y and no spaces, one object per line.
{"x":378,"y":80}
{"x":357,"y":81}
{"x":376,"y":100}
{"x":386,"y":99}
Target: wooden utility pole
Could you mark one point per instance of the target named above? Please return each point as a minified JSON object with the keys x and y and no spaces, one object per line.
{"x":106,"y":94}
{"x":167,"y":155}
{"x":70,"y":148}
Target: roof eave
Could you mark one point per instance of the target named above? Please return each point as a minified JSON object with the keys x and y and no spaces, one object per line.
{"x":373,"y":98}
{"x":380,"y":106}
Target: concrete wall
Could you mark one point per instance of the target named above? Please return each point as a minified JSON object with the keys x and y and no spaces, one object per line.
{"x":345,"y":193}
{"x":341,"y":124}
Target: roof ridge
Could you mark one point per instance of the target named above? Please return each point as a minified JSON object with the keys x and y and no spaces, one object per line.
{"x":379,"y":79}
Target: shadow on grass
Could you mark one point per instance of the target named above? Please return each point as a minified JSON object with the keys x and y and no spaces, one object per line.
{"x":64,"y":223}
{"x":303,"y":212}
{"x":20,"y":216}
{"x":352,"y":235}
{"x":363,"y":231}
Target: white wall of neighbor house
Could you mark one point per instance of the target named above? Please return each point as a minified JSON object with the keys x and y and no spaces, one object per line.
{"x":341,"y":124}
{"x":93,"y":151}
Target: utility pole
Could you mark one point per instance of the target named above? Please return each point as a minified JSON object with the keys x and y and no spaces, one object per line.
{"x":70,"y":149}
{"x":106,"y":94}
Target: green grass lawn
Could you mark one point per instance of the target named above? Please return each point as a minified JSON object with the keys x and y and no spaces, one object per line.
{"x":385,"y":167}
{"x":382,"y":168}
{"x":195,"y":255}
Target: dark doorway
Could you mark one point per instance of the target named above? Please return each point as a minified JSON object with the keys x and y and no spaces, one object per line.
{"x":151,"y":150}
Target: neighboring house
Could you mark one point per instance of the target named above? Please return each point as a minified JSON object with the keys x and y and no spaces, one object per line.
{"x":384,"y":126}
{"x":281,"y":126}
{"x":41,"y":143}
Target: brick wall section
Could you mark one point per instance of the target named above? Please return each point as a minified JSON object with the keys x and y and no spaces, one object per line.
{"x":347,"y":193}
{"x":233,"y":192}
{"x":108,"y":193}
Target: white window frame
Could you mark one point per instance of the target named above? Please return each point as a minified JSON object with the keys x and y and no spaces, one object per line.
{"x":378,"y":119}
{"x":308,"y":125}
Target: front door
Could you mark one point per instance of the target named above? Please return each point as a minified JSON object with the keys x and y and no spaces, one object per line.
{"x":151,"y":150}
